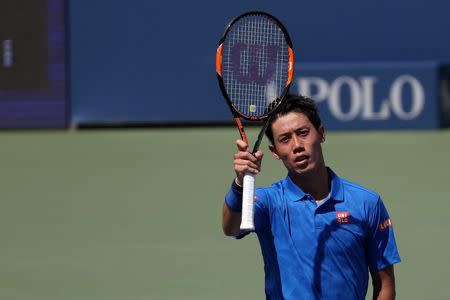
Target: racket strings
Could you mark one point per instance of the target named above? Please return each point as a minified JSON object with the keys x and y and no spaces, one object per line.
{"x":255,"y":64}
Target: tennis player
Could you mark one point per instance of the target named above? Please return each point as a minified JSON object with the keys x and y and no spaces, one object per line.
{"x":320,"y":234}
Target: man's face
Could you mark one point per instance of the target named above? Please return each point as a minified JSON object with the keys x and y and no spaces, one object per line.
{"x":297,"y":143}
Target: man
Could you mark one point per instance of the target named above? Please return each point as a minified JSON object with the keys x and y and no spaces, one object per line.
{"x":319,"y":234}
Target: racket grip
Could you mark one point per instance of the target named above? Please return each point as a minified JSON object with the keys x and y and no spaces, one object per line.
{"x":248,"y":194}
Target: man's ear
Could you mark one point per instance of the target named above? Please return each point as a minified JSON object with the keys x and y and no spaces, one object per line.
{"x":273,"y":150}
{"x":322,"y":133}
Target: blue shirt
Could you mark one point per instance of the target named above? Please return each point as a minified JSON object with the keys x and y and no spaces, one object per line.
{"x":322,"y":251}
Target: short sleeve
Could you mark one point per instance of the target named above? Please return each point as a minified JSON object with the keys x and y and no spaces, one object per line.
{"x":381,"y":247}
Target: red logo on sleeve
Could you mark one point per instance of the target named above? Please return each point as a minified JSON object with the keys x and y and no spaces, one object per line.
{"x":385,"y":225}
{"x":342,"y":217}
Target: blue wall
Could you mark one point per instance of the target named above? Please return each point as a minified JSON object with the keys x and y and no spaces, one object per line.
{"x":132,"y":61}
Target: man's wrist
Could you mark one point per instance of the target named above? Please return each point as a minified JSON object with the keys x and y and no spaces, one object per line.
{"x":238,"y":184}
{"x":233,"y":199}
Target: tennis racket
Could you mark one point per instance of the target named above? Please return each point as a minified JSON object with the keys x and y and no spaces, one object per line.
{"x":254,"y":66}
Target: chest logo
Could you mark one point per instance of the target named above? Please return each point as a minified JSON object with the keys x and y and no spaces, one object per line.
{"x":343,"y":217}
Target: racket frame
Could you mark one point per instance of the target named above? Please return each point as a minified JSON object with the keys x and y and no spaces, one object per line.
{"x":235,"y":111}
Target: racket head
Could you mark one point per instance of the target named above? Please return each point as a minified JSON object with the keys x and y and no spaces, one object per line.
{"x":254,"y":64}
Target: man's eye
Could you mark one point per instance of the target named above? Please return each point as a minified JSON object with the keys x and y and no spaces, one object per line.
{"x":284,"y":140}
{"x":304,"y":133}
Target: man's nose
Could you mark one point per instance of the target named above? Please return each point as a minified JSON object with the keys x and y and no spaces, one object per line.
{"x":298,"y":143}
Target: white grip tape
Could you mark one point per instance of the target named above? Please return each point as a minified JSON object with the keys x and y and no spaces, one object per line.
{"x":248,"y":194}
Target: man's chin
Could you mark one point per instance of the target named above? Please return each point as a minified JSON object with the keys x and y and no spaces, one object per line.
{"x":301,"y":170}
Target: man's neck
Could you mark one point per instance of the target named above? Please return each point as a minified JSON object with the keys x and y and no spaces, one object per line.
{"x":316,"y":183}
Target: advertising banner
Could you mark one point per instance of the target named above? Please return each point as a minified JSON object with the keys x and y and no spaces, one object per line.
{"x":32,"y":64}
{"x":373,"y":95}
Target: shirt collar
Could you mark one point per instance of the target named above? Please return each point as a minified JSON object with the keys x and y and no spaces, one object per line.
{"x":295,"y":193}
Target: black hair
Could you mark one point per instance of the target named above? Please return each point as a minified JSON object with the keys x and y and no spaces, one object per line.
{"x":294,"y":103}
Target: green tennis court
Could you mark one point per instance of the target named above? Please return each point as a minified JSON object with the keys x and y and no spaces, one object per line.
{"x":135,"y":214}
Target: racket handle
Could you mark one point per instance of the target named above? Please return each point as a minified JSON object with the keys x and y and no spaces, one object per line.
{"x":248,"y":194}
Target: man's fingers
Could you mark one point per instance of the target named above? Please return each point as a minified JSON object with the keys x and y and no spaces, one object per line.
{"x":259,"y":155}
{"x":246,"y":162}
{"x":245,"y":156}
{"x":242,"y":169}
{"x":241,"y":145}
{"x":241,"y":163}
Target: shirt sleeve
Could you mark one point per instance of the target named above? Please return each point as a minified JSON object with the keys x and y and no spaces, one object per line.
{"x":382,"y":248}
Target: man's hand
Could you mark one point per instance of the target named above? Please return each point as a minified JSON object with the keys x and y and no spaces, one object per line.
{"x":245,"y":162}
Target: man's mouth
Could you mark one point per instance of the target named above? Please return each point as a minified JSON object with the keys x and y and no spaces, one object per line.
{"x":301,"y":159}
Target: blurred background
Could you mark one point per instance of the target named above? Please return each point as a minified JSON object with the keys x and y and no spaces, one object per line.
{"x":116,"y":145}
